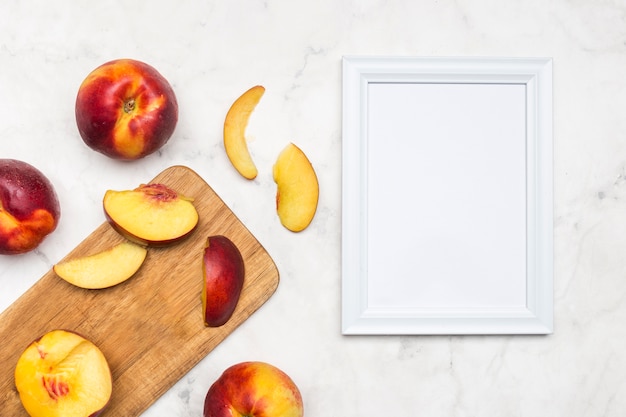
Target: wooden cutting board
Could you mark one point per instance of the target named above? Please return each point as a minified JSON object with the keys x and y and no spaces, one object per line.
{"x":150,"y":328}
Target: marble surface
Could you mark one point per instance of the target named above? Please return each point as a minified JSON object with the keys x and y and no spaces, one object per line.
{"x":214,"y":50}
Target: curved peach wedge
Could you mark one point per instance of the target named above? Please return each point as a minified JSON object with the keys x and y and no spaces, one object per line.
{"x":151,"y":214}
{"x":298,"y":188}
{"x":104,"y":269}
{"x":63,"y":374}
{"x":223,"y":277}
{"x":235,"y":126}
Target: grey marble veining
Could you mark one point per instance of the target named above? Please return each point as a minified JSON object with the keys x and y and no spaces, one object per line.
{"x":213,"y":51}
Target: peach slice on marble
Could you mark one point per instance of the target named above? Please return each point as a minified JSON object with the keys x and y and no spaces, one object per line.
{"x":62,"y":374}
{"x":235,"y":126}
{"x":103,"y":269}
{"x":297,"y":188}
{"x":151,"y":214}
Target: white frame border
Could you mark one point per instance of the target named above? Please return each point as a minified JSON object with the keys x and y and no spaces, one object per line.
{"x":536,"y":75}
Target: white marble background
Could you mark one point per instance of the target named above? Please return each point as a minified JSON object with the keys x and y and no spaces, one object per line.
{"x":212,"y":51}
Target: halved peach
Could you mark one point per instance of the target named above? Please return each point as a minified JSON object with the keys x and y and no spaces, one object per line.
{"x":63,"y":374}
{"x":151,"y":214}
{"x":235,"y":126}
{"x":297,"y":188}
{"x":103,"y":269}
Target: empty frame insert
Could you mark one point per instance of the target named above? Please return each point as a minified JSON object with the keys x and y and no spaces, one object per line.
{"x":447,"y":196}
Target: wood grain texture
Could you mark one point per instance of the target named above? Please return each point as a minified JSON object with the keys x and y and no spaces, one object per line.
{"x":150,"y":327}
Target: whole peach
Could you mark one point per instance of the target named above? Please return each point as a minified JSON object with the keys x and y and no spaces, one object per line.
{"x":253,"y":389}
{"x":125,"y":109}
{"x":29,"y":207}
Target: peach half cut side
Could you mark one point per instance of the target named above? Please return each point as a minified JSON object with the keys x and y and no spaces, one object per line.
{"x":297,"y":188}
{"x":104,"y":269}
{"x":151,"y":214}
{"x":63,"y":374}
{"x":235,"y":126}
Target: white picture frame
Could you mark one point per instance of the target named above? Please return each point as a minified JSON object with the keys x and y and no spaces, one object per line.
{"x":447,"y":212}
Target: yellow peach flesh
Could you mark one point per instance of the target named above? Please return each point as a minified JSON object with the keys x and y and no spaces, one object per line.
{"x":151,"y":214}
{"x":103,"y":269}
{"x":63,"y":375}
{"x":297,"y":188}
{"x":235,"y":126}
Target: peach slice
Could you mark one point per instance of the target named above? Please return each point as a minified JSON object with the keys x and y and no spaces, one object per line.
{"x":223,"y":271}
{"x":103,"y":269}
{"x":235,"y":126}
{"x":298,"y":188}
{"x":63,"y":374}
{"x":152,"y":214}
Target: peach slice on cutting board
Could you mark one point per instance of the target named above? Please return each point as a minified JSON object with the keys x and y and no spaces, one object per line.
{"x":104,"y":269}
{"x":297,"y":188}
{"x":151,"y":214}
{"x":223,"y":272}
{"x":62,"y":374}
{"x":235,"y":126}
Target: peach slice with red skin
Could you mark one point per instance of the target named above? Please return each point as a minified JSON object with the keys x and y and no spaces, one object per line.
{"x":62,"y":374}
{"x":103,"y":269}
{"x":297,"y":188}
{"x":223,"y":271}
{"x":235,"y":126}
{"x":151,"y":214}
